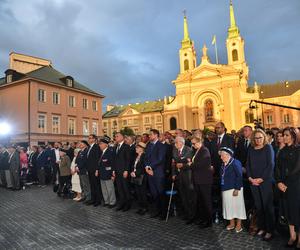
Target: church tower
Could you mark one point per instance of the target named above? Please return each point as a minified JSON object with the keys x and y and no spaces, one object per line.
{"x":235,"y":49}
{"x":187,"y":53}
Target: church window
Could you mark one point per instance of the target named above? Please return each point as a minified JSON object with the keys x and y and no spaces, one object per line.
{"x":209,"y":110}
{"x":235,"y":55}
{"x":173,"y":123}
{"x":286,"y":118}
{"x":186,"y":64}
{"x":249,"y":116}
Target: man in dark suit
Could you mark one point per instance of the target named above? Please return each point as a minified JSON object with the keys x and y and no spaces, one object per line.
{"x":81,"y":169}
{"x":243,"y":145}
{"x":41,"y":164}
{"x":222,"y":139}
{"x":14,"y":167}
{"x":105,"y":172}
{"x":93,"y":155}
{"x":129,"y":140}
{"x":4,"y":157}
{"x":155,"y":168}
{"x":182,"y":172}
{"x":32,"y":164}
{"x":121,"y":154}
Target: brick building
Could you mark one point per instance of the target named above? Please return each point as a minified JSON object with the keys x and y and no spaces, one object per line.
{"x":44,"y":105}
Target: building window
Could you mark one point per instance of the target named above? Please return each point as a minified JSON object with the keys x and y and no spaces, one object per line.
{"x":69,"y":82}
{"x":85,"y":103}
{"x":124,"y":122}
{"x":173,"y":123}
{"x":55,"y":98}
{"x":135,"y":121}
{"x":115,"y":124}
{"x":147,"y":120}
{"x":209,"y":110}
{"x":55,"y":124}
{"x":72,"y":101}
{"x":85,"y":127}
{"x":286,"y":118}
{"x":71,"y":126}
{"x":94,"y":105}
{"x":158,"y":118}
{"x":9,"y":78}
{"x":41,"y":95}
{"x":105,"y":124}
{"x":186,"y":64}
{"x":269,"y":119}
{"x":235,"y":55}
{"x":95,"y":128}
{"x":249,"y":116}
{"x":42,"y":123}
{"x":129,"y":121}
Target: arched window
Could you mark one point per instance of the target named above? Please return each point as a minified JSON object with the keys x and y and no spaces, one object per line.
{"x":249,"y":116}
{"x":235,"y":56}
{"x":209,"y":110}
{"x":173,"y":123}
{"x":186,"y":64}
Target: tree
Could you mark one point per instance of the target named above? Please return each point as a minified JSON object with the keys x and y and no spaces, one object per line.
{"x":127,"y":131}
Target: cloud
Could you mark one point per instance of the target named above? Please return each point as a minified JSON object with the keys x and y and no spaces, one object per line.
{"x":128,"y":50}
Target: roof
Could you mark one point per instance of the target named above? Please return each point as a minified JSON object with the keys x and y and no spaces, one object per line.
{"x":145,"y":107}
{"x":278,"y":89}
{"x":49,"y":74}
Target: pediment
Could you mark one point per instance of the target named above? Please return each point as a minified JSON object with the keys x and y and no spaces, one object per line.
{"x":129,"y":111}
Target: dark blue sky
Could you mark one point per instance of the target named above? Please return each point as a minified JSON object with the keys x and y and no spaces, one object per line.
{"x":128,"y":49}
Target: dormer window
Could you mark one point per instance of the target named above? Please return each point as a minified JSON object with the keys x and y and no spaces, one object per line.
{"x":69,"y":81}
{"x":9,"y":78}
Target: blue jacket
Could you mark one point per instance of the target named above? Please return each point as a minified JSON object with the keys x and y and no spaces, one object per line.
{"x":105,"y":164}
{"x":81,"y":161}
{"x":231,"y":175}
{"x":155,"y":158}
{"x":42,"y":160}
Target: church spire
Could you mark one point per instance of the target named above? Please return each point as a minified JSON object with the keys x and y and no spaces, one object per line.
{"x":233,"y":31}
{"x":186,"y":41}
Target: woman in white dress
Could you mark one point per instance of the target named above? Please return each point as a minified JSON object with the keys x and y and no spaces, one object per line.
{"x":232,"y":190}
{"x":75,"y":177}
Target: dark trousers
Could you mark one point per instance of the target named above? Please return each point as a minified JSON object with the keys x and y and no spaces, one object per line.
{"x":141,"y":193}
{"x":156,"y":186}
{"x":15,"y":178}
{"x":96,"y":194}
{"x":41,"y":176}
{"x":263,"y":200}
{"x":85,"y":186}
{"x":3,"y":178}
{"x":204,"y":201}
{"x":123,"y":190}
{"x":63,"y":181}
{"x":187,"y":193}
{"x":55,"y":172}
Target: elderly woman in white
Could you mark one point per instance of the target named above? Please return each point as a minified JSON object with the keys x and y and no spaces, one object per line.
{"x":232,"y":190}
{"x":75,"y":177}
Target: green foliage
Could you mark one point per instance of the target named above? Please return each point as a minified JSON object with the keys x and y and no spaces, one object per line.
{"x":127,"y":131}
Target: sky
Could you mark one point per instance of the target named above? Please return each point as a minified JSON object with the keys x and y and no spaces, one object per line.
{"x":127,"y":50}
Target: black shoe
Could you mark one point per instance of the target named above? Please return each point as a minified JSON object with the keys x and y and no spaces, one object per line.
{"x":268,"y":238}
{"x":119,"y":208}
{"x":111,"y":206}
{"x":154,"y":215}
{"x":190,"y":221}
{"x":205,"y":225}
{"x":143,"y":211}
{"x":89,"y":203}
{"x":96,"y":204}
{"x":106,"y":205}
{"x":126,"y":208}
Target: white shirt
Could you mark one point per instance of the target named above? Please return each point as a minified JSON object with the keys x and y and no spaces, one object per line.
{"x":221,"y":137}
{"x":119,"y":146}
{"x":56,"y":150}
{"x":90,"y":149}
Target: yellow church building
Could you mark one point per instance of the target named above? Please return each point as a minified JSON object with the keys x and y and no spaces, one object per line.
{"x":207,"y":93}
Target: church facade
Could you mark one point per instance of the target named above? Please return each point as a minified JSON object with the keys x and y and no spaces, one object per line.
{"x":207,"y":93}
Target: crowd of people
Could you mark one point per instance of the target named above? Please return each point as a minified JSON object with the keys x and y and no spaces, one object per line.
{"x":218,"y":175}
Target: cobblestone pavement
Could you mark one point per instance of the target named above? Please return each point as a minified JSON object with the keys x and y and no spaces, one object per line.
{"x":36,"y":218}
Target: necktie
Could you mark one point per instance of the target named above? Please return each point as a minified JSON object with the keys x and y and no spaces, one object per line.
{"x":219,"y":141}
{"x":118,"y":148}
{"x":246,"y":143}
{"x":179,"y":153}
